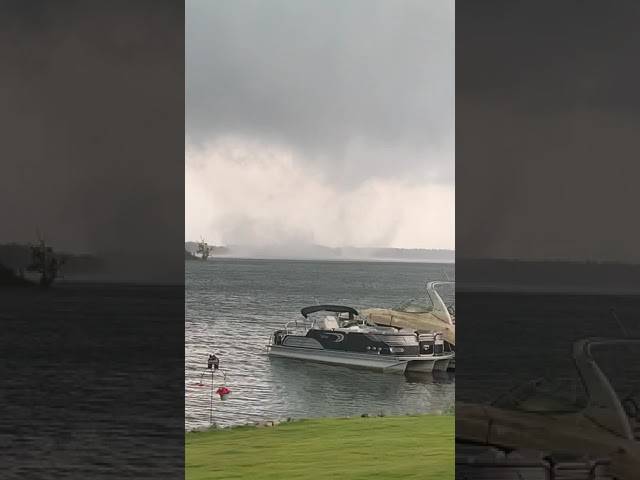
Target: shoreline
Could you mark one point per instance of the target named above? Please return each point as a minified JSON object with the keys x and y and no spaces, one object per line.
{"x":213,"y":258}
{"x":450,"y":411}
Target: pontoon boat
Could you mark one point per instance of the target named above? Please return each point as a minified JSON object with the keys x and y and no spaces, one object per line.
{"x":339,"y":336}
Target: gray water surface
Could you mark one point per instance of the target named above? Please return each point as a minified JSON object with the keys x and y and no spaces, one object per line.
{"x":89,"y":384}
{"x":233,"y":305}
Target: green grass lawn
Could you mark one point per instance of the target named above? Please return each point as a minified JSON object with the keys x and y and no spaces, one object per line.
{"x":352,"y":448}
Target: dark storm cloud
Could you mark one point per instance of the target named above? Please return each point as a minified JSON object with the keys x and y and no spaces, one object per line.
{"x":547,"y":129}
{"x":534,"y":59}
{"x":359,"y":87}
{"x":91,"y":96}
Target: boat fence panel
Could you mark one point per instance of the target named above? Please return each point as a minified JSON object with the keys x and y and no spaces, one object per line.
{"x":487,"y":463}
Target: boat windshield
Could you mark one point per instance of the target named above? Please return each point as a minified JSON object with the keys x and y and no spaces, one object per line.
{"x":414,"y":306}
{"x":566,"y":395}
{"x":424,"y":303}
{"x":621,"y":365}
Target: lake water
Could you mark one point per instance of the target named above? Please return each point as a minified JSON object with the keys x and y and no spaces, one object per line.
{"x":233,"y":305}
{"x":510,"y":338}
{"x":90,"y":387}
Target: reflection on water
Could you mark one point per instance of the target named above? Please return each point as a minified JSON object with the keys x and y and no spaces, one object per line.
{"x":232,"y":306}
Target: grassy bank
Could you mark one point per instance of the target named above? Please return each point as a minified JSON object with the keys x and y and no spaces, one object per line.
{"x":408,"y":447}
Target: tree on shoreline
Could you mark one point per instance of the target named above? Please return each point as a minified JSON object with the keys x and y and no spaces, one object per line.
{"x":204,"y":250}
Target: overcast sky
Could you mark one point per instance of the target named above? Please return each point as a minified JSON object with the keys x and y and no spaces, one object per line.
{"x":324,"y":122}
{"x":548,"y":122}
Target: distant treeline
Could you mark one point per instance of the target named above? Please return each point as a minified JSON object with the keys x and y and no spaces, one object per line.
{"x":83,"y":264}
{"x":190,"y":256}
{"x":414,"y":253}
{"x":8,"y":277}
{"x":321,"y":251}
{"x":541,"y":273}
{"x":15,"y":258}
{"x":192,"y":247}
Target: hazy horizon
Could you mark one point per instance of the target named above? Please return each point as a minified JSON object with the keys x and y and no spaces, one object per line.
{"x":313,"y":245}
{"x":320,"y":252}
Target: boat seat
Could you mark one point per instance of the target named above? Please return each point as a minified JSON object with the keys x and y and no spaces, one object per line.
{"x":327,"y":323}
{"x":330,"y":323}
{"x":353,"y":328}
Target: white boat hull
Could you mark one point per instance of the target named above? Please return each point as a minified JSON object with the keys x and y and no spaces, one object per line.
{"x":385,"y":363}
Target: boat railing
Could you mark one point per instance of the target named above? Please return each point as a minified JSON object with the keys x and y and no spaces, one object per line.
{"x":295,"y":327}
